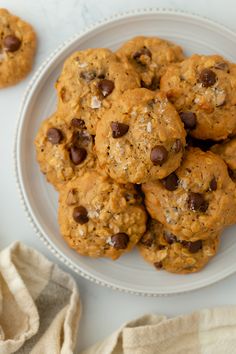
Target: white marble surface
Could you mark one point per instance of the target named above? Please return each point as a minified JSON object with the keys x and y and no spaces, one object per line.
{"x":55,"y":21}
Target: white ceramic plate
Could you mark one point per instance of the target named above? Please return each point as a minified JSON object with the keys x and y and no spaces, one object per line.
{"x":129,"y":273}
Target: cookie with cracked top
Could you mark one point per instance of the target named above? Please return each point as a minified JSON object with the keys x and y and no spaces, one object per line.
{"x":90,"y":81}
{"x":160,"y":247}
{"x":141,"y":138}
{"x":200,"y":200}
{"x":203,"y":90}
{"x":99,"y":217}
{"x":64,"y":148}
{"x":150,"y":57}
{"x":17,"y":48}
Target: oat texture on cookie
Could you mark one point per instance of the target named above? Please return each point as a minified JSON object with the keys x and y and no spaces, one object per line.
{"x":203,"y":90}
{"x":99,"y":217}
{"x":91,"y":80}
{"x":197,"y":199}
{"x":141,"y":138}
{"x":150,"y":56}
{"x":160,"y":247}
{"x":64,"y":148}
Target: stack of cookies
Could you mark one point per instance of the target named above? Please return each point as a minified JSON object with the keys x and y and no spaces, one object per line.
{"x":141,"y":151}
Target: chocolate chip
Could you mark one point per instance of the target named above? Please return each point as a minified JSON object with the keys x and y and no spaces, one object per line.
{"x":77,"y":154}
{"x":80,"y":215}
{"x":101,"y":76}
{"x":177,"y":146}
{"x":143,"y":51}
{"x":171,"y":182}
{"x":222,"y":66}
{"x":147,"y":240}
{"x":154,"y":85}
{"x":213,"y":185}
{"x":158,"y":265}
{"x":207,"y":78}
{"x":54,"y":135}
{"x":193,"y":247}
{"x":232,"y":173}
{"x":88,"y":75}
{"x":118,"y":129}
{"x":196,"y":202}
{"x":77,"y":123}
{"x":11,"y":43}
{"x":189,"y":119}
{"x":120,"y":240}
{"x":169,"y":237}
{"x":106,"y":87}
{"x":159,"y":155}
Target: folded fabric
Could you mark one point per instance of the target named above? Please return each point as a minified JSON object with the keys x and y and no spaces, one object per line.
{"x":210,"y":331}
{"x":39,"y":304}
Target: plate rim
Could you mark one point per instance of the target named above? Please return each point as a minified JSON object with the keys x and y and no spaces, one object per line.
{"x":16,"y":149}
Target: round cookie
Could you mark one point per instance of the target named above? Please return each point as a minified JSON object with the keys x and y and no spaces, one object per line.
{"x":197,"y":199}
{"x":140,"y":138}
{"x":150,"y":57}
{"x":203,"y":90}
{"x":90,"y":81}
{"x":161,"y":248}
{"x":100,"y":218}
{"x":64,"y":148}
{"x":227,"y":151}
{"x":17,"y":48}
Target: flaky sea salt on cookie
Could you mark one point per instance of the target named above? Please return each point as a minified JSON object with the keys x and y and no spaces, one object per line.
{"x":150,"y":57}
{"x":99,"y":217}
{"x":199,"y":198}
{"x":141,"y":138}
{"x":203,"y":90}
{"x":91,"y":80}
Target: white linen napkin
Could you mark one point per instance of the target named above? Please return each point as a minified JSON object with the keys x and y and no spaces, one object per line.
{"x":204,"y":332}
{"x":40,"y":310}
{"x":39,"y":304}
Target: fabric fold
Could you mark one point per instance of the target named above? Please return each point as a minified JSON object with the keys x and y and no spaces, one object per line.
{"x":39,"y":304}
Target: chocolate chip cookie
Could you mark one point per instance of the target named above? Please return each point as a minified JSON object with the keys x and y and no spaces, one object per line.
{"x":64,"y":148}
{"x":141,"y":138}
{"x":198,"y":199}
{"x":164,"y":250}
{"x":227,"y":151}
{"x":90,"y":81}
{"x":203,"y":90}
{"x":150,"y":57}
{"x":17,"y":48}
{"x":100,"y":218}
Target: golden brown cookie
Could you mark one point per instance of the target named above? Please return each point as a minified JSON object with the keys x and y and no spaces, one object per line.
{"x":64,"y":148}
{"x":17,"y":48}
{"x":150,"y":57}
{"x":199,"y":198}
{"x":100,"y":218}
{"x":90,"y":81}
{"x":227,"y":151}
{"x":140,"y":138}
{"x":165,"y":251}
{"x":203,"y":90}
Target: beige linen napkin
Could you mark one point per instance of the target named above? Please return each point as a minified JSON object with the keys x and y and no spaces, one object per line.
{"x":204,"y":332}
{"x":39,"y":304}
